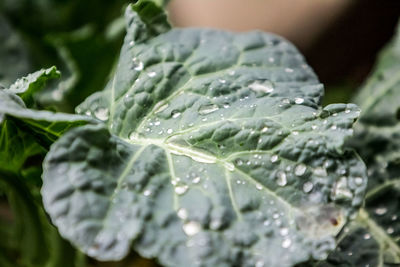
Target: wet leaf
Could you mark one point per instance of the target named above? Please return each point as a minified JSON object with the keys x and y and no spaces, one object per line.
{"x":214,"y":151}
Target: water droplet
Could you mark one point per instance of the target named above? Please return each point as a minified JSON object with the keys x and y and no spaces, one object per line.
{"x":101,"y":114}
{"x":394,"y":217}
{"x":340,"y":190}
{"x":222,"y":81}
{"x":289,"y":70}
{"x":147,"y":193}
{"x":215,"y":224}
{"x":191,"y":228}
{"x":226,"y":106}
{"x":333,"y":127}
{"x":286,"y":101}
{"x":281,"y":178}
{"x":207,"y":109}
{"x":182,"y":213}
{"x":390,"y":230}
{"x":181,"y":189}
{"x":139,"y":65}
{"x":358,"y":181}
{"x":259,"y":263}
{"x":196,"y":180}
{"x":259,"y":187}
{"x":300,"y":169}
{"x":307,"y":187}
{"x":347,"y":111}
{"x":169,"y":131}
{"x":151,"y":74}
{"x":265,"y":87}
{"x":314,"y":127}
{"x":295,"y":133}
{"x":264,"y":130}
{"x":274,"y":158}
{"x":239,"y":162}
{"x":271,"y":59}
{"x":367,"y":236}
{"x":286,"y":243}
{"x":298,"y":100}
{"x":156,"y":123}
{"x":284,"y":231}
{"x":131,"y":43}
{"x":380,"y":211}
{"x":133,"y":136}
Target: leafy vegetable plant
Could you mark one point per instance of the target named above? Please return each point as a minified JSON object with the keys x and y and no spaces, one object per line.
{"x":211,"y":148}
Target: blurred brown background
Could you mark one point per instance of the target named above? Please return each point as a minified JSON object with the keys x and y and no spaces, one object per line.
{"x":340,"y":38}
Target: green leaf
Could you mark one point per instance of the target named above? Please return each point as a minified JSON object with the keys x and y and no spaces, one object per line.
{"x":25,"y":134}
{"x":374,"y":237}
{"x":214,"y":151}
{"x":27,"y":86}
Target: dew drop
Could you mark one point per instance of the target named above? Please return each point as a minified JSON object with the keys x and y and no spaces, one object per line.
{"x":298,"y":100}
{"x":191,"y":228}
{"x":333,"y":127}
{"x":347,"y":111}
{"x":101,"y":114}
{"x":259,"y":187}
{"x":169,"y":131}
{"x":239,"y":162}
{"x":259,"y":263}
{"x":300,"y":169}
{"x":156,"y":123}
{"x":207,"y":109}
{"x":147,"y":193}
{"x":181,"y":189}
{"x":380,"y":211}
{"x":284,"y":231}
{"x":196,"y":180}
{"x":307,"y":187}
{"x":286,"y":243}
{"x":151,"y":74}
{"x":367,"y":236}
{"x":274,"y":158}
{"x":264,"y":130}
{"x":133,"y":136}
{"x":358,"y":181}
{"x":285,"y":101}
{"x":289,"y":70}
{"x":139,"y":66}
{"x":281,"y":178}
{"x":314,"y":127}
{"x":390,"y":230}
{"x":182,"y":213}
{"x":265,"y":87}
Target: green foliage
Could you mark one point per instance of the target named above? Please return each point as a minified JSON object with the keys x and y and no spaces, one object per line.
{"x":205,"y":148}
{"x":202,"y":156}
{"x":374,"y":236}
